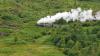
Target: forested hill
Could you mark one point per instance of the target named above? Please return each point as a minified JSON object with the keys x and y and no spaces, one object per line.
{"x":21,"y":36}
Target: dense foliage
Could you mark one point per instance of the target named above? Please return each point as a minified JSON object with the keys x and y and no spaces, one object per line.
{"x":21,"y":36}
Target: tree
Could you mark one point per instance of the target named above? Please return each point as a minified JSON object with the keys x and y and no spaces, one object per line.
{"x":60,"y":21}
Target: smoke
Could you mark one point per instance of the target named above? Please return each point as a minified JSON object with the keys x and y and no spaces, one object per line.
{"x":74,"y":14}
{"x":97,"y":16}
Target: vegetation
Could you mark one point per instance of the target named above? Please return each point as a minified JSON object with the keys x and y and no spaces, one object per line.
{"x":20,"y":36}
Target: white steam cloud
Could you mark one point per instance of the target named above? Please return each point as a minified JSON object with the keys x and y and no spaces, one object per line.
{"x":74,"y":14}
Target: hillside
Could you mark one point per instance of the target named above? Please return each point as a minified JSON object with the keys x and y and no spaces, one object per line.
{"x":21,"y":36}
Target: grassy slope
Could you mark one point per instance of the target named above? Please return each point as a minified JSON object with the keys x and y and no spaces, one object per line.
{"x":18,"y":19}
{"x":30,"y":50}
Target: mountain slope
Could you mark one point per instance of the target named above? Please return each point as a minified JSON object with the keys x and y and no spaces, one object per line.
{"x":20,"y":36}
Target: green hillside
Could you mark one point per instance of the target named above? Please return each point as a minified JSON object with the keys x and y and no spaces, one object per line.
{"x":20,"y":35}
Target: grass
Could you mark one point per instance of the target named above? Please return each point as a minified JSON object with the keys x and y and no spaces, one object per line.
{"x":30,"y":50}
{"x":20,"y":36}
